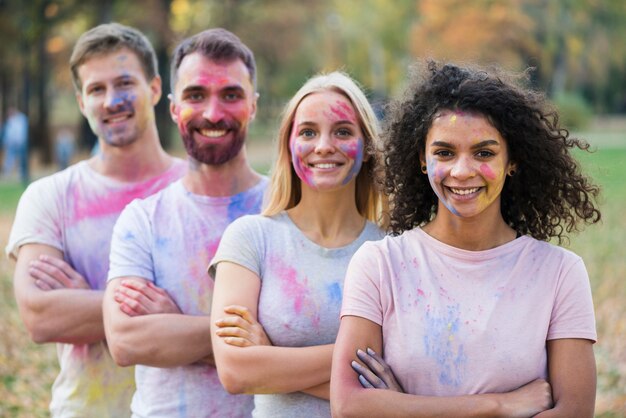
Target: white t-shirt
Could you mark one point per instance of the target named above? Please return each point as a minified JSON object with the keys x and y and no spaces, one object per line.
{"x":169,"y":239}
{"x":466,"y":322}
{"x":74,"y":211}
{"x":300,"y":297}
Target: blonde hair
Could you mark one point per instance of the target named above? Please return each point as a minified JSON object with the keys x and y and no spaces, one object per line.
{"x":285,"y":187}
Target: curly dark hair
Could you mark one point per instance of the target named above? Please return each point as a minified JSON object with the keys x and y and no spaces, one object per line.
{"x":546,"y":198}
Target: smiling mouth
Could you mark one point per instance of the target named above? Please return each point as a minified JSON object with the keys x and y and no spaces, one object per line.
{"x":325,"y":165}
{"x":464,"y":192}
{"x":213,"y":133}
{"x":118,"y":119}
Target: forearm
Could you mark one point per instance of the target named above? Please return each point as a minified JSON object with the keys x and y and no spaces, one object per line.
{"x":383,"y":403}
{"x":320,"y":391}
{"x":71,"y":316}
{"x":269,"y":369}
{"x":160,"y":340}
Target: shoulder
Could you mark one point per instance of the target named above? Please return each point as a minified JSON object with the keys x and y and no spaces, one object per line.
{"x":548,"y":251}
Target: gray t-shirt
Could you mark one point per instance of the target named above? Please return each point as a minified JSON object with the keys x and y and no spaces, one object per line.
{"x":301,"y":292}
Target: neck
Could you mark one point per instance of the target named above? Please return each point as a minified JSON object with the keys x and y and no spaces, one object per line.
{"x":228,"y":179}
{"x":141,"y":160}
{"x":330,"y":219}
{"x":474,"y":234}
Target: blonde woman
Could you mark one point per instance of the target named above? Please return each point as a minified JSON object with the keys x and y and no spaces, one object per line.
{"x":285,"y":267}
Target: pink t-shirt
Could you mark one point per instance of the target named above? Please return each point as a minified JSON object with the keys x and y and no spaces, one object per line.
{"x":466,"y":322}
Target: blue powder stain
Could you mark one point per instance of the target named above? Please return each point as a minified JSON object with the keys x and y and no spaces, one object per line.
{"x":240,"y":206}
{"x":334,"y":293}
{"x":129,"y":236}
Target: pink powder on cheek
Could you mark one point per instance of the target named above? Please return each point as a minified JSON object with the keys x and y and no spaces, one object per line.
{"x":351,"y":148}
{"x":487,"y":172}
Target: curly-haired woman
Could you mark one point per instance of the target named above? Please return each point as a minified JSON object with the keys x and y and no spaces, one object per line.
{"x":475,"y":313}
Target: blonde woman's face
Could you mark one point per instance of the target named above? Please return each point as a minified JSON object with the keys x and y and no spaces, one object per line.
{"x":326,"y":143}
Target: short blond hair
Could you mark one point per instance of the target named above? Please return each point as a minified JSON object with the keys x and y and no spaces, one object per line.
{"x":285,"y":188}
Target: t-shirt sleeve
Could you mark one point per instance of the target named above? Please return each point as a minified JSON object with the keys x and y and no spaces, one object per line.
{"x":361,"y":295}
{"x":38,"y":218}
{"x":573,"y":315}
{"x":240,"y":244}
{"x":131,"y":253}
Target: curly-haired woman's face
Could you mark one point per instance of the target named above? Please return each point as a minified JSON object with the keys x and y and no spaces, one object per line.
{"x":467,"y":163}
{"x":326,"y":141}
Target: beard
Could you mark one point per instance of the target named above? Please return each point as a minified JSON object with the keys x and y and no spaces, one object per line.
{"x":214,"y":154}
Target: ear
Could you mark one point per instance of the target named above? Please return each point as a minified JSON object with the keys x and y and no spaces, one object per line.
{"x":254,"y":101}
{"x":173,"y":108}
{"x":81,"y":103}
{"x":156,"y":89}
{"x":511,"y":169}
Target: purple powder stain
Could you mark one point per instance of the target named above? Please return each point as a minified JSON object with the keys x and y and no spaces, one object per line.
{"x":341,"y":111}
{"x":353,"y":150}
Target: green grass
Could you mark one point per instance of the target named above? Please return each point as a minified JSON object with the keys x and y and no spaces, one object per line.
{"x":9,"y":196}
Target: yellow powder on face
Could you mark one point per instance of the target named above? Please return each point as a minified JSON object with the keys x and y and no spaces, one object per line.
{"x":185,"y":114}
{"x":452,"y":119}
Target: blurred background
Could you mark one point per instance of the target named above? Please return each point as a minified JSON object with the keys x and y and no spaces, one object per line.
{"x":577,"y":48}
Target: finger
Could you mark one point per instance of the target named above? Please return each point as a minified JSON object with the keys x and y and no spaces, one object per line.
{"x":61,"y":265}
{"x":43,"y":285}
{"x":237,"y":342}
{"x":232,"y":332}
{"x":138,"y":287}
{"x":370,"y":361}
{"x":384,"y":371}
{"x":52,"y":272}
{"x":233,"y":321}
{"x":123,"y":299}
{"x":241,"y":311}
{"x":365,"y":383}
{"x":370,"y":372}
{"x":366,"y":375}
{"x":39,"y":275}
{"x":128,"y":310}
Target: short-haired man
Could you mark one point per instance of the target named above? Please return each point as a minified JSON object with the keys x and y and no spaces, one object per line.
{"x":168,"y":239}
{"x":63,"y":225}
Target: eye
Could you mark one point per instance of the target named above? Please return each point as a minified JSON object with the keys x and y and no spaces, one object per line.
{"x":194,"y":96}
{"x":95,"y":90}
{"x":344,"y":132}
{"x":307,"y":133}
{"x":485,"y":154}
{"x":232,"y":96}
{"x":443,"y":153}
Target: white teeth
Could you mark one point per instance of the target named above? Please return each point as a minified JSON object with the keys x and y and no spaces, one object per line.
{"x":325,"y":165}
{"x":212,"y":133}
{"x":464,"y":191}
{"x":117,"y":119}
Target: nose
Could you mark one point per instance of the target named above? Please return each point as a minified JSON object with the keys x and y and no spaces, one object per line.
{"x":325,"y":144}
{"x":113,"y":100}
{"x":213,"y":111}
{"x":462,"y":168}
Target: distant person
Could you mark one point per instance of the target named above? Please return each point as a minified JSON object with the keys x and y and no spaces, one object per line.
{"x":63,"y":224}
{"x":286,"y":267}
{"x":158,"y":299}
{"x":475,"y":313}
{"x":15,"y":144}
{"x":64,"y":145}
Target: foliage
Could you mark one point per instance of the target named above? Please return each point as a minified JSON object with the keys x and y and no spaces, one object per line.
{"x":574,"y":112}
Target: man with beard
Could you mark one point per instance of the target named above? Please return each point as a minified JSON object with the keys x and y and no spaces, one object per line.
{"x":62,"y":230}
{"x":158,"y":298}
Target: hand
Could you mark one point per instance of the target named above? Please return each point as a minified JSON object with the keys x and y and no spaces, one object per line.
{"x":241,"y":329}
{"x":376,"y":373}
{"x":52,"y":273}
{"x":138,"y":297}
{"x":528,"y":400}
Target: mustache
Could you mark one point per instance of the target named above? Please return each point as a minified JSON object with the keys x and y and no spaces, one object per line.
{"x":221,"y":125}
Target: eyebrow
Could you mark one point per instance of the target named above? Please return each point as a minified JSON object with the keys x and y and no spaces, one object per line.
{"x":339,"y":122}
{"x":481,"y":144}
{"x":200,"y":87}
